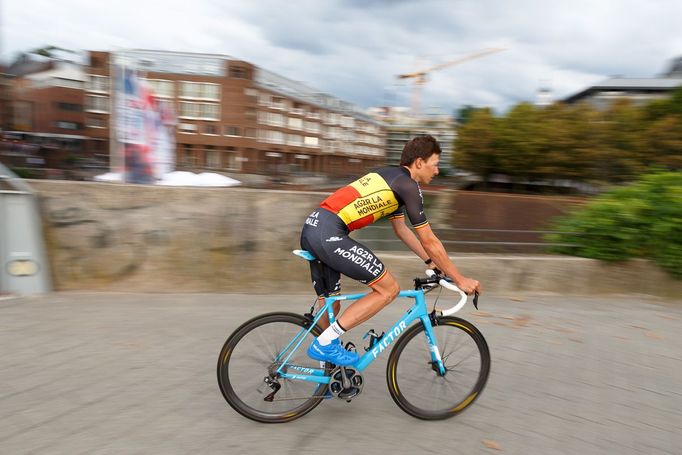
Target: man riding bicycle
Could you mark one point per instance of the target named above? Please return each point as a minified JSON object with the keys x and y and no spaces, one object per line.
{"x":388,"y":191}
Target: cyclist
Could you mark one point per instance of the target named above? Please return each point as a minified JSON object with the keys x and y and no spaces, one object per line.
{"x":388,"y":191}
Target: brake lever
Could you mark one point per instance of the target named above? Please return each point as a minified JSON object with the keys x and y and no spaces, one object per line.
{"x":476,"y":300}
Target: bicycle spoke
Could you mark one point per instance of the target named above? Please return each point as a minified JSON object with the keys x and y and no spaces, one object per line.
{"x":251,"y":361}
{"x":422,"y":391}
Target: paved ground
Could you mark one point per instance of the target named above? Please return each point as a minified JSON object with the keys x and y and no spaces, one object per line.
{"x":131,"y":373}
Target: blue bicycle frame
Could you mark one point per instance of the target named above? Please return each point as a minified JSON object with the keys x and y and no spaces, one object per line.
{"x":417,"y":312}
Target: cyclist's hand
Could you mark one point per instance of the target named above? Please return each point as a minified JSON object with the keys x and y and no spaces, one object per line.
{"x":469,"y":285}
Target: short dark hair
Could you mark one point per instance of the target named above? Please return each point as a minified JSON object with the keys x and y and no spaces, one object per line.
{"x":422,"y":146}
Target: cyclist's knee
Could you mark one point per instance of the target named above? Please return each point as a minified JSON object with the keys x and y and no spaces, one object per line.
{"x":388,"y":288}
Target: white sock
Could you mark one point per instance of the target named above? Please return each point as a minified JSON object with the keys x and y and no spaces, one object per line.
{"x":330,"y":334}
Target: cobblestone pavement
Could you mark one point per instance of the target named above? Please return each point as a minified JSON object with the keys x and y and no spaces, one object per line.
{"x":135,"y":373}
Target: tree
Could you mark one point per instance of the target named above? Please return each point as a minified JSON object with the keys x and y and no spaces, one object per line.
{"x":521,"y":143}
{"x":464,"y":114}
{"x":475,"y":147}
{"x":665,"y":142}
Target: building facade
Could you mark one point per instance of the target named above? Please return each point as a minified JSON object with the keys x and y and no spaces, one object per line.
{"x":45,"y":113}
{"x":637,"y":90}
{"x":401,"y":126}
{"x":234,"y":116}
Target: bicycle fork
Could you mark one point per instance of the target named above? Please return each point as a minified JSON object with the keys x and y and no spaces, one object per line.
{"x":436,"y":360}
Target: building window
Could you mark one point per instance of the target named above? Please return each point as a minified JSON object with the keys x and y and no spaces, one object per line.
{"x":238,"y":72}
{"x":250,"y":113}
{"x":230,"y":160}
{"x":273,"y":137}
{"x":98,"y":83}
{"x":312,"y":127}
{"x":295,"y":123}
{"x":187,"y":128}
{"x":95,"y":122}
{"x":95,"y":103}
{"x":232,"y":131}
{"x":71,"y":107}
{"x":213,"y":159}
{"x":161,"y":87}
{"x":200,"y":90}
{"x":294,"y":139}
{"x":279,"y":103}
{"x":264,"y":99}
{"x":311,"y":141}
{"x":210,"y":129}
{"x":347,"y":122}
{"x":251,"y":92}
{"x":204,"y":111}
{"x":68,"y":125}
{"x":187,"y":156}
{"x":271,"y":118}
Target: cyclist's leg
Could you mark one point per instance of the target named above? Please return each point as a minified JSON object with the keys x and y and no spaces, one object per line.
{"x":326,"y":281}
{"x":384,"y":291}
{"x":356,"y":261}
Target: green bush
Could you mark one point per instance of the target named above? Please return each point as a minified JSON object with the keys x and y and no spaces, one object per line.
{"x":642,"y":220}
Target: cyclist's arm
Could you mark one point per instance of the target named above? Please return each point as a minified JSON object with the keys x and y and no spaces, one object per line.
{"x":407,"y":236}
{"x":434,"y":248}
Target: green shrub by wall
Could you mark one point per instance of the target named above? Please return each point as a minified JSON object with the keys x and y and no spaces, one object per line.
{"x":642,"y":220}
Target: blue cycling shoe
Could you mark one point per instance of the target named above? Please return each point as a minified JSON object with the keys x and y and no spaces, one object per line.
{"x":333,"y":353}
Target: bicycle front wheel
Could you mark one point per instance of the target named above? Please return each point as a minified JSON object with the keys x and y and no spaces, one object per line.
{"x":250,"y":355}
{"x":414,"y":381}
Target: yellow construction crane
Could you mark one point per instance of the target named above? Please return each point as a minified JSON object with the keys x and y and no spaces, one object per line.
{"x":420,"y":76}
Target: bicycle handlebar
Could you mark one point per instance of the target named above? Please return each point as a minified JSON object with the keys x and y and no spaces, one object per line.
{"x":451,"y":286}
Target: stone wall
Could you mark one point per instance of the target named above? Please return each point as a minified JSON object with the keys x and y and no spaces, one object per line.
{"x":159,"y":239}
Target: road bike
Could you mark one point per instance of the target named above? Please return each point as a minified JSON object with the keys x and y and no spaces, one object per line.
{"x":437,"y":368}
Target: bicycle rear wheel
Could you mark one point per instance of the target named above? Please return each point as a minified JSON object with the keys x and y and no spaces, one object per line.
{"x":248,"y":357}
{"x":414,"y":382}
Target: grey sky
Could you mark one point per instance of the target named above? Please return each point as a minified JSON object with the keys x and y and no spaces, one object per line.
{"x":353,"y":49}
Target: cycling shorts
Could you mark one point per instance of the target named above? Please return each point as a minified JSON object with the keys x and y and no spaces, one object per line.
{"x":325,"y":235}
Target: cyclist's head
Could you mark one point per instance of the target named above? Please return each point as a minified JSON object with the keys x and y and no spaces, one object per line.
{"x":422,"y":146}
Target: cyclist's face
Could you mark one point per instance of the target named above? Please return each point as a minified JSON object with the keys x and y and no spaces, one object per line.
{"x":428,"y":168}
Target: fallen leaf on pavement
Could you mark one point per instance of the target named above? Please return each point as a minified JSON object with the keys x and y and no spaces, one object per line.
{"x":489,"y":443}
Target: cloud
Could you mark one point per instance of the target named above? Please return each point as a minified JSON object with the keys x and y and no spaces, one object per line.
{"x":353,"y":49}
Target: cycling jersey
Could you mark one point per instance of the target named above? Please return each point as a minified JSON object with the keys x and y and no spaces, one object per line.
{"x":388,"y":191}
{"x":385,"y":192}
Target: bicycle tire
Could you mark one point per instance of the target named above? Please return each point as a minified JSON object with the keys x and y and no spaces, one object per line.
{"x":230,"y":361}
{"x":398,"y":376}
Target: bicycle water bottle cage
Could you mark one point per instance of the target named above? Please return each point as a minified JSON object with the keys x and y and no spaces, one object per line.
{"x":373,"y":338}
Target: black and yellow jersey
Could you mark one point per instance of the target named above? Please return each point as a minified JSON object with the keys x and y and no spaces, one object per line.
{"x":388,"y":191}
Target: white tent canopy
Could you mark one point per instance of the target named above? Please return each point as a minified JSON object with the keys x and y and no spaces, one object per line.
{"x":180,"y":178}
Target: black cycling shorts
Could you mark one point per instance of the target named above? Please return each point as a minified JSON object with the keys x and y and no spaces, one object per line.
{"x":325,"y":235}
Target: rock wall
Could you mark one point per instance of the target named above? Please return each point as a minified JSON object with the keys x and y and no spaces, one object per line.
{"x":159,"y":239}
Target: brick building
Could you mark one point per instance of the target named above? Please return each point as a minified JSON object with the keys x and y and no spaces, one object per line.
{"x":43,"y":106}
{"x":234,"y":116}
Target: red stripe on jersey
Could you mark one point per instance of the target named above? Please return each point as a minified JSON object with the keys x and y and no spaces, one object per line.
{"x":340,"y":198}
{"x":362,"y":222}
